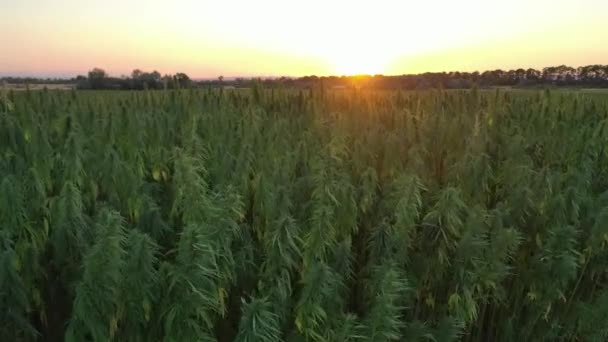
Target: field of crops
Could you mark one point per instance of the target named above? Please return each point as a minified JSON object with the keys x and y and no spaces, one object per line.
{"x":286,"y":215}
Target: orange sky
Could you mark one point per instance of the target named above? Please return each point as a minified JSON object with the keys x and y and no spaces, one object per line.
{"x":293,"y":38}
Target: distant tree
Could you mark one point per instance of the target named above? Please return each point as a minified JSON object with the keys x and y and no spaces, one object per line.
{"x":592,"y":73}
{"x":182,"y":80}
{"x":97,"y":78}
{"x":136,"y":74}
{"x":532,"y":74}
{"x":155,"y":75}
{"x":168,"y":81}
{"x":488,"y":77}
{"x":141,"y":79}
{"x":474,"y":77}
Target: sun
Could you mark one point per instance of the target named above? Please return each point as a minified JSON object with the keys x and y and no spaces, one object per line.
{"x":359,"y":63}
{"x":361,"y":54}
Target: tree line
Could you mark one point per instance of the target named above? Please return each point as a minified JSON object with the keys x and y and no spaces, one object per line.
{"x":98,"y":78}
{"x":138,"y":80}
{"x":592,"y":76}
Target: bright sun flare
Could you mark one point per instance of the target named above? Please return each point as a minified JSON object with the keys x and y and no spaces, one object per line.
{"x":359,"y":65}
{"x":362,"y":62}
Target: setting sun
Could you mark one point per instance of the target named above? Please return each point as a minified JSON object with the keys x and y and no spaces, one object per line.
{"x":359,"y":63}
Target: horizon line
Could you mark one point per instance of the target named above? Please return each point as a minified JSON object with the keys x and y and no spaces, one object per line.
{"x":62,"y":76}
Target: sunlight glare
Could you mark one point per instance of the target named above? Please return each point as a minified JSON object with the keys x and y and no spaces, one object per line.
{"x":359,"y":63}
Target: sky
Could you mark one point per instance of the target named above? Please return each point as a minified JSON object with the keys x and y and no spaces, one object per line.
{"x":206,"y":39}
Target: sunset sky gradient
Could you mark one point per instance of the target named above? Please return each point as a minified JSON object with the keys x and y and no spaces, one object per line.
{"x":205,"y":39}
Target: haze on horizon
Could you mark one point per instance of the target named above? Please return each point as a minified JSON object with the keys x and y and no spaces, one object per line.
{"x":63,"y":38}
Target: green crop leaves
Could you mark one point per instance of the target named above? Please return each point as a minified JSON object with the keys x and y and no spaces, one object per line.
{"x":287,"y":215}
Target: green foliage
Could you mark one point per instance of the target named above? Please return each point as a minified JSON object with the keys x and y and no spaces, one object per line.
{"x":388,"y":292}
{"x":258,"y":322}
{"x":97,"y":299}
{"x":287,"y":215}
